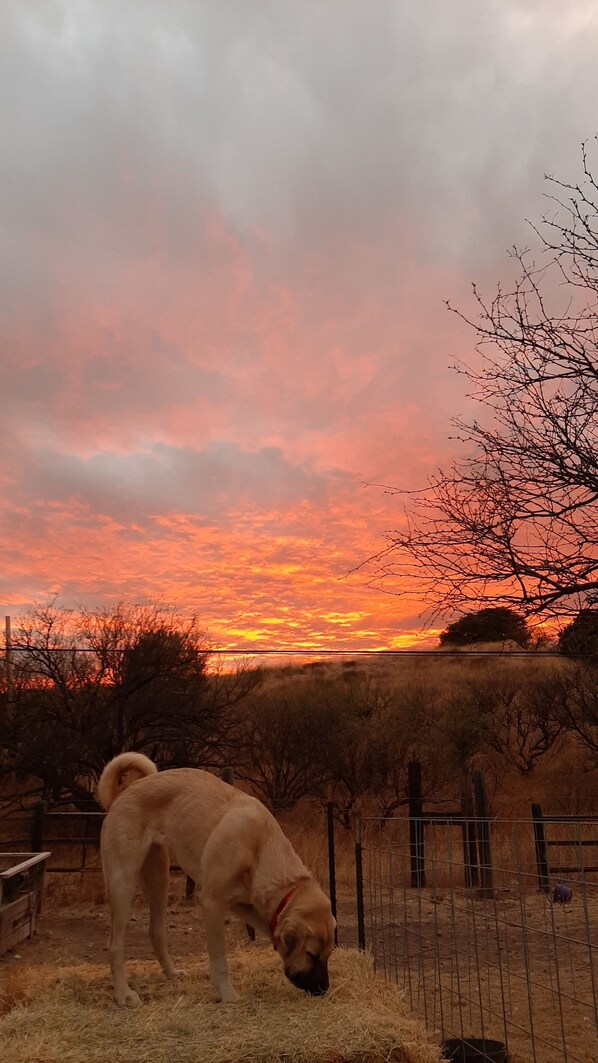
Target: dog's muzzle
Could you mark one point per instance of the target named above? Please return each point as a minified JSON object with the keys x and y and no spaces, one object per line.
{"x":314,"y":981}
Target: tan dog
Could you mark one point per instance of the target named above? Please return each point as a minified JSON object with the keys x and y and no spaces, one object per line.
{"x":231,"y":846}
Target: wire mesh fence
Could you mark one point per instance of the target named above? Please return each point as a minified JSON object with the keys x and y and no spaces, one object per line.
{"x":512,"y":960}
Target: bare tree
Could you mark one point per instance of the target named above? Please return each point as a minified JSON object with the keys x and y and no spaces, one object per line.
{"x":574,"y":707}
{"x":88,"y":685}
{"x":281,"y":752}
{"x":515,"y":521}
{"x":524,"y":722}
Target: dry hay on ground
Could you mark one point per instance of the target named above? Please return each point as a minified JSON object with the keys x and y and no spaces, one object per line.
{"x":68,"y":1015}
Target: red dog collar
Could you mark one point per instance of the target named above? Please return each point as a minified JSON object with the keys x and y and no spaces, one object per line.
{"x":284,"y":901}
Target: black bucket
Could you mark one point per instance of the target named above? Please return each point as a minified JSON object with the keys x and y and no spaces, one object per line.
{"x":474,"y":1050}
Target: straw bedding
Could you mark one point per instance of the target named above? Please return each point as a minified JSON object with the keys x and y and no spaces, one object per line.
{"x":68,"y":1016}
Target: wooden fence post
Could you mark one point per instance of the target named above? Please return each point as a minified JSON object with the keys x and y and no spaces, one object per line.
{"x":470,"y":849}
{"x":416,"y":824}
{"x":483,"y":830}
{"x":37,"y":827}
{"x":541,"y":849}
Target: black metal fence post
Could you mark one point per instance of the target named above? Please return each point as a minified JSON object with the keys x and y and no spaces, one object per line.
{"x":228,"y":776}
{"x":416,"y":824}
{"x":359,"y":886}
{"x":331,"y":863}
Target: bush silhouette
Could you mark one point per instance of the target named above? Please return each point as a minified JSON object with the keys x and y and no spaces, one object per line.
{"x":498,"y":624}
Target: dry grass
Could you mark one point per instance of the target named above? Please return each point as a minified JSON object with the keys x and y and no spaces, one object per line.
{"x":68,"y":1016}
{"x":446,"y":670}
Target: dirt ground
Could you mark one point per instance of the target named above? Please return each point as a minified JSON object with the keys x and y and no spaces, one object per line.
{"x":71,"y":932}
{"x":517,"y":969}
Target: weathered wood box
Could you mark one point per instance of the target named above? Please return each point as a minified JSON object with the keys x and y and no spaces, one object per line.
{"x":21,"y":893}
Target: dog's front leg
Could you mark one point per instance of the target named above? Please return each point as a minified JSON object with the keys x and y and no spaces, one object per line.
{"x":214,"y":920}
{"x":247,"y":914}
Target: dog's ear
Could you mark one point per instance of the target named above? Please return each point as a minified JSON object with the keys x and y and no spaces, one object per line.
{"x":289,"y":940}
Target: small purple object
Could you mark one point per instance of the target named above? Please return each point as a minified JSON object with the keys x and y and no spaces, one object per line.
{"x":562,"y":894}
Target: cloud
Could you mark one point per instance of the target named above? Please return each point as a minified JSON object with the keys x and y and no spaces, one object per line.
{"x":304,"y":122}
{"x":137,"y":487}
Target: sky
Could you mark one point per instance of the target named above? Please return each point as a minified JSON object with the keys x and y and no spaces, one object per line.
{"x":228,"y":231}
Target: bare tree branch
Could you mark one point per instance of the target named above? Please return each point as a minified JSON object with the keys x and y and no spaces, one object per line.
{"x":515,"y":520}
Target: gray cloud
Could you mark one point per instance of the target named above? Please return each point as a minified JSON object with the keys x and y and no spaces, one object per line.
{"x":115,"y":382}
{"x":140,"y":486}
{"x":303,"y":119}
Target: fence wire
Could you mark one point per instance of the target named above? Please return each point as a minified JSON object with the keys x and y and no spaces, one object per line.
{"x":515,"y":964}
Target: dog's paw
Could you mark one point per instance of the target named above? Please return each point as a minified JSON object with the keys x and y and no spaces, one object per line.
{"x":131,"y":999}
{"x":227,"y":996}
{"x":177,"y":972}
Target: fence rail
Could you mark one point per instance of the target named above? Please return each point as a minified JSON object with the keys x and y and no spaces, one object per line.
{"x":40,"y":829}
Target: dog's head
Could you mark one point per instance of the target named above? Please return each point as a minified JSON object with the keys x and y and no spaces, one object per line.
{"x":304,"y":938}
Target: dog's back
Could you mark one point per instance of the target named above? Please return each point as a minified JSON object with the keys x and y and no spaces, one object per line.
{"x":120,"y":773}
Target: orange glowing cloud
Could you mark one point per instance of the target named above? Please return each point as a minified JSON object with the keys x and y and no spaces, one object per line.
{"x":209,"y":444}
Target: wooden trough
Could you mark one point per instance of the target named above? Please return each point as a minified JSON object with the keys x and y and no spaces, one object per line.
{"x":21,"y":893}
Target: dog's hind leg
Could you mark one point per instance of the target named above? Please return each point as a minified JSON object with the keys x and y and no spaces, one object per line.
{"x":121,"y":889}
{"x":154,"y":877}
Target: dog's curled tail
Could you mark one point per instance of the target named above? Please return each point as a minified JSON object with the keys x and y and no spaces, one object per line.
{"x":121,"y":772}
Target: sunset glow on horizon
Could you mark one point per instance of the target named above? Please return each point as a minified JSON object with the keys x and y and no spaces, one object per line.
{"x":229,"y":232}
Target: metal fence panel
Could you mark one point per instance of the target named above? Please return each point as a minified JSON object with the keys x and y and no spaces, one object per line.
{"x":515,"y":964}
